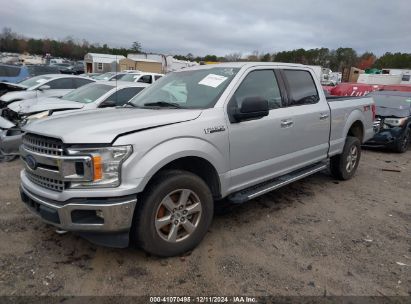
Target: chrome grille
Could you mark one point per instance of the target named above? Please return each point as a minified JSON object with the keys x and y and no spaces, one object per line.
{"x":43,"y":145}
{"x":49,"y":183}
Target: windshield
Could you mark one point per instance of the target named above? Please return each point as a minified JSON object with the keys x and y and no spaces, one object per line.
{"x":88,"y":93}
{"x":129,"y":77}
{"x":105,"y":76}
{"x":35,"y":80}
{"x":195,"y":89}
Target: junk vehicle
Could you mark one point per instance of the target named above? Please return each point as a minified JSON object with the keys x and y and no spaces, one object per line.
{"x":393,"y":120}
{"x":17,"y":73}
{"x":91,"y":96}
{"x":151,"y":172}
{"x":51,"y":85}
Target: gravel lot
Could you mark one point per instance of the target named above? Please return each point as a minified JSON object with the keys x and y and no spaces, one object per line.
{"x":314,"y":237}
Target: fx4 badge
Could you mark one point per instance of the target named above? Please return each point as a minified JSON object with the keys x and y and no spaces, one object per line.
{"x":214,"y":129}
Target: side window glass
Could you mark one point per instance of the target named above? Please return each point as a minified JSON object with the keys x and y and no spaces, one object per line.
{"x":302,"y":87}
{"x":79,"y":82}
{"x":262,"y":83}
{"x":157,"y":77}
{"x":61,"y":84}
{"x":145,"y":79}
{"x":121,"y":97}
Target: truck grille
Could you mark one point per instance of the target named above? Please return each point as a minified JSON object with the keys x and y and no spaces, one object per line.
{"x":49,"y":183}
{"x":43,"y":145}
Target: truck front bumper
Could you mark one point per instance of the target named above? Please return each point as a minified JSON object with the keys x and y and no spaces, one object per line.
{"x":104,"y":221}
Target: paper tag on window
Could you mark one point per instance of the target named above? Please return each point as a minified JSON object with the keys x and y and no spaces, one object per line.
{"x":212,"y":80}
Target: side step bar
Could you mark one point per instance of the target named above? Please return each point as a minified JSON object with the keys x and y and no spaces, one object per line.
{"x":260,"y":189}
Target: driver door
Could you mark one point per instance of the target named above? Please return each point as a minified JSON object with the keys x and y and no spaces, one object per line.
{"x":258,"y":146}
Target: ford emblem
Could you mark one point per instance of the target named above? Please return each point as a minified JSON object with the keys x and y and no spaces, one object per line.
{"x":31,"y":162}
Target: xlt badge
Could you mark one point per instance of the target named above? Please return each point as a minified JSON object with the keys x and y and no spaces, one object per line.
{"x":214,"y":129}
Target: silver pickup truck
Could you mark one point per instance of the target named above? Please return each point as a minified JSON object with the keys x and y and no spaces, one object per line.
{"x":151,"y":173}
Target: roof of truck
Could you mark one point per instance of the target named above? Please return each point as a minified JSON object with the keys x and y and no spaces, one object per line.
{"x":241,"y":64}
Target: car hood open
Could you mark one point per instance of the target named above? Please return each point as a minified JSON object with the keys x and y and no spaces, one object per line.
{"x":29,"y":106}
{"x":105,"y":125}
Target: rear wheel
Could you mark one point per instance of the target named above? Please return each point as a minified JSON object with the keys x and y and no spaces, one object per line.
{"x":174,"y":214}
{"x":345,"y":165}
{"x":404,"y":142}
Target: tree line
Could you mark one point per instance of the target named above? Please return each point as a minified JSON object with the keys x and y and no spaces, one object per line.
{"x":336,"y":59}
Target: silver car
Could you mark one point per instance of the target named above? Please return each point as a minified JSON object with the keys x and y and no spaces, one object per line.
{"x":89,"y":97}
{"x":50,"y":85}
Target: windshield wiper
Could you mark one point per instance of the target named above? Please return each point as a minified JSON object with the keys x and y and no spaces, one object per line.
{"x":163,"y":104}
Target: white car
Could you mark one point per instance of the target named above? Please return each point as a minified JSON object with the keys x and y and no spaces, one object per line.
{"x":92,"y":96}
{"x":50,"y":85}
{"x":142,"y":77}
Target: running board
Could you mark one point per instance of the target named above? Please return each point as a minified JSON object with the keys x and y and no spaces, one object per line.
{"x":260,"y":189}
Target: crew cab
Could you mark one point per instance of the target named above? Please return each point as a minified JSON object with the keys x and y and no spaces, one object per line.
{"x":91,"y":96}
{"x":50,"y":85}
{"x":151,"y":173}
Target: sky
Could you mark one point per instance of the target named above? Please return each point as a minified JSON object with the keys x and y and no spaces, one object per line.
{"x":217,"y":27}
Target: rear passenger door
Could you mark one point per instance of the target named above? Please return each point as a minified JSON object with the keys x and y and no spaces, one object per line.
{"x":308,"y":120}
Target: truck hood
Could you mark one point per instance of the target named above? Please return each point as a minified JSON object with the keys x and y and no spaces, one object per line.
{"x":104,"y":125}
{"x":35,"y":105}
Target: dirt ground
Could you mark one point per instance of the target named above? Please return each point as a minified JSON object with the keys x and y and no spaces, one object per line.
{"x":314,"y":237}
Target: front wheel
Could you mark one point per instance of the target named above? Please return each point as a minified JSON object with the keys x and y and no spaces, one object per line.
{"x":344,"y":165}
{"x":404,"y":142}
{"x":174,"y":214}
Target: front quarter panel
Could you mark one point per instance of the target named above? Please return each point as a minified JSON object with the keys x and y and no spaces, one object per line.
{"x":154,"y":148}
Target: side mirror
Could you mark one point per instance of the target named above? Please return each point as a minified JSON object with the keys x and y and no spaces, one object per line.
{"x":251,"y":108}
{"x":44,"y":87}
{"x":107,"y":104}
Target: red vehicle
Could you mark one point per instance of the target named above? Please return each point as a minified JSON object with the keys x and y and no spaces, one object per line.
{"x":361,"y":89}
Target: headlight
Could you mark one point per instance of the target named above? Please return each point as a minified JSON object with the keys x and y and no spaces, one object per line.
{"x":395,"y":122}
{"x":106,"y":164}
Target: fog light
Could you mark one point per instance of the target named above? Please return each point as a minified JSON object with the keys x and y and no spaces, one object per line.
{"x":100,"y":214}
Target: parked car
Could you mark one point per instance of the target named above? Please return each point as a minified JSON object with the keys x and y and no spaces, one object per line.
{"x":16,"y":73}
{"x":141,"y":77}
{"x":52,"y":85}
{"x":393,"y":120}
{"x":152,"y":172}
{"x":110,"y":76}
{"x":91,"y":96}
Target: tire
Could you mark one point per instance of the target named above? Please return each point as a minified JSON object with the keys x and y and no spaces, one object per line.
{"x":161,"y":201}
{"x":404,"y":142}
{"x":343,"y":166}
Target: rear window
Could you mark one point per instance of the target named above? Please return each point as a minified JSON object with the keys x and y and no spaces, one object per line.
{"x":302,"y":87}
{"x":9,"y":71}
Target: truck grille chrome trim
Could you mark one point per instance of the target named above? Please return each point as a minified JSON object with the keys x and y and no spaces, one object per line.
{"x":49,"y":183}
{"x":43,"y":145}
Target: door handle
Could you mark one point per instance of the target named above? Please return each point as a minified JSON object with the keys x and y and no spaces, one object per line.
{"x":324,"y":116}
{"x":286,"y":123}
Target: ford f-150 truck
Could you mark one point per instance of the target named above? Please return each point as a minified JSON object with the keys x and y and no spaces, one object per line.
{"x":151,"y":172}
